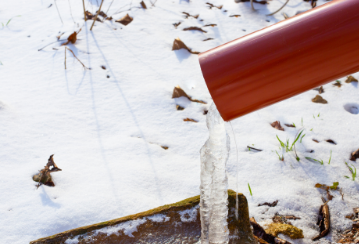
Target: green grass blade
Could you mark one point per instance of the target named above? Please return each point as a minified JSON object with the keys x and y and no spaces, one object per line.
{"x":330,"y":158}
{"x":250,"y":190}
{"x":302,"y":138}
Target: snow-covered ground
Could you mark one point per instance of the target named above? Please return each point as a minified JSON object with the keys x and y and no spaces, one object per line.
{"x":107,"y":133}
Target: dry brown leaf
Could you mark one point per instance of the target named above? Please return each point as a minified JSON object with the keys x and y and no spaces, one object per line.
{"x":354,"y":155}
{"x":320,"y":89}
{"x":259,"y":232}
{"x":338,"y":84}
{"x":125,"y":20}
{"x":164,"y":147}
{"x":290,"y":125}
{"x":212,"y":25}
{"x":178,"y":107}
{"x":179,"y":92}
{"x":190,"y":120}
{"x":143,"y":5}
{"x":177,"y":24}
{"x":90,"y":16}
{"x":351,"y":79}
{"x":331,"y":141}
{"x":187,"y":15}
{"x":235,"y":15}
{"x":273,"y":204}
{"x":276,"y":125}
{"x":322,"y":186}
{"x":72,"y":38}
{"x":194,"y":28}
{"x":213,"y":6}
{"x":208,"y":39}
{"x":323,"y":222}
{"x":319,"y":99}
{"x":103,"y":67}
{"x":178,"y":44}
{"x":315,"y":140}
{"x":256,"y":1}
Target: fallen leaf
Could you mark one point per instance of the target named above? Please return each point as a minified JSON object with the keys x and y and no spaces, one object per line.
{"x":205,"y":112}
{"x":235,"y":15}
{"x":177,"y":24}
{"x":256,"y":1}
{"x":208,"y":39}
{"x":351,"y":79}
{"x":102,"y":14}
{"x":212,"y":25}
{"x":273,"y":204}
{"x":90,"y":16}
{"x":323,"y":222}
{"x":354,"y":155}
{"x":276,"y":125}
{"x":338,"y":84}
{"x":178,"y":107}
{"x":322,"y":186}
{"x":164,"y":147}
{"x":331,"y":141}
{"x":213,"y":6}
{"x":194,"y":28}
{"x":315,"y":140}
{"x":291,"y":217}
{"x":319,"y":99}
{"x":190,"y":120}
{"x":289,"y":125}
{"x":125,"y":20}
{"x":143,"y":5}
{"x":260,"y":233}
{"x":320,"y":89}
{"x":103,"y":67}
{"x":72,"y":38}
{"x":187,"y":15}
{"x":178,"y":44}
{"x":179,"y":92}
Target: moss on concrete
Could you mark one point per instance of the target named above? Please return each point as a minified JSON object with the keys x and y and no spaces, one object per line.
{"x":241,"y":227}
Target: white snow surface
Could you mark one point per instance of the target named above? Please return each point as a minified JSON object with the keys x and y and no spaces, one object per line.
{"x":107,"y":133}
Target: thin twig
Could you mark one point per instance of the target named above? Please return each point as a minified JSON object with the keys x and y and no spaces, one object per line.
{"x":279,"y":9}
{"x":49,"y":44}
{"x":71,"y":12}
{"x":96,"y":16}
{"x":153,"y":4}
{"x":65,"y":57}
{"x":252,"y":5}
{"x":76,"y":57}
{"x":254,"y":148}
{"x":109,"y":7}
{"x":83,"y":4}
{"x":58,"y":12}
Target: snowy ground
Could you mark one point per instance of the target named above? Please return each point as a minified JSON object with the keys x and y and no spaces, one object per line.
{"x":107,"y":133}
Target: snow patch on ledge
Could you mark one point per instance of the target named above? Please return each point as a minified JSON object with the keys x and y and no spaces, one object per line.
{"x":189,"y":215}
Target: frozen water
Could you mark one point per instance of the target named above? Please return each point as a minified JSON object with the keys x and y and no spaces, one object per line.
{"x":214,"y":183}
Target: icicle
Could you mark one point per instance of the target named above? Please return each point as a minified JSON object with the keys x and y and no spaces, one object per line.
{"x":214,"y":182}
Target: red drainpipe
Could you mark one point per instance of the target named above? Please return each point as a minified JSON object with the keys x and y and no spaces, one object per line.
{"x":283,"y":60}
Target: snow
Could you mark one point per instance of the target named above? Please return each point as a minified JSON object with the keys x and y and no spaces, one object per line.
{"x":107,"y":133}
{"x":189,"y":215}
